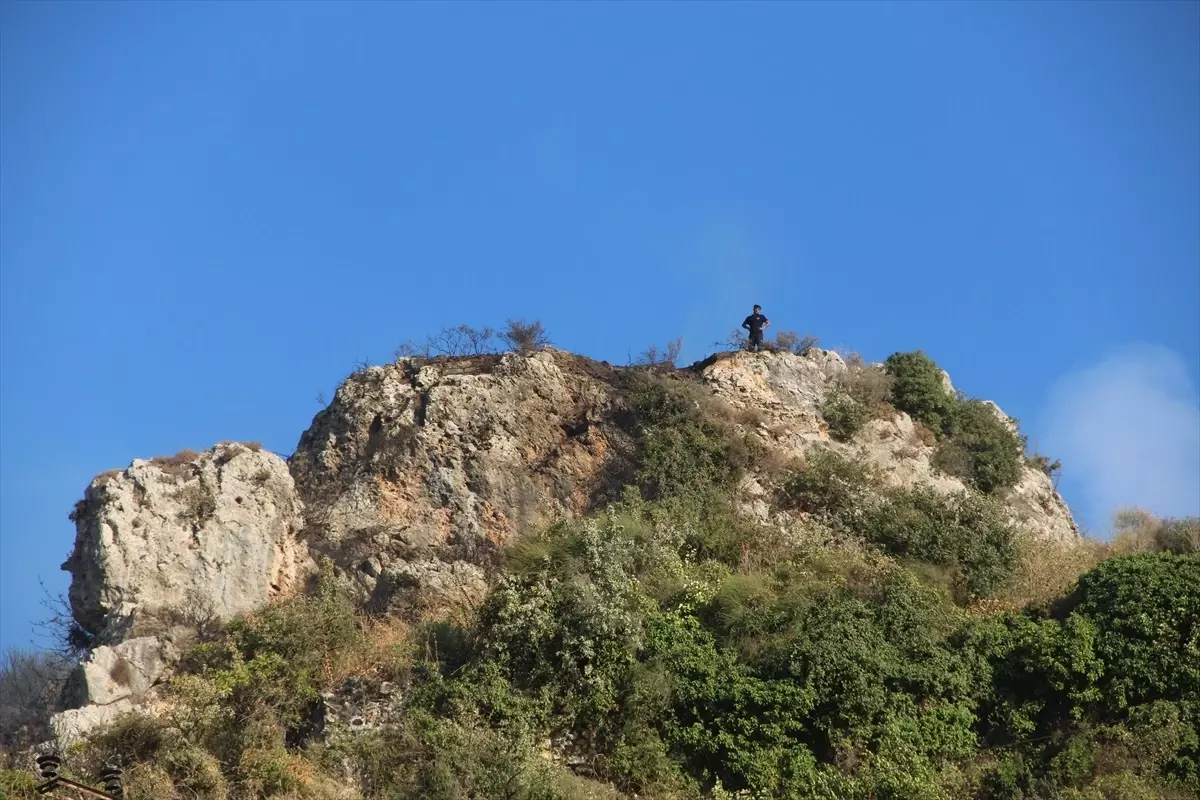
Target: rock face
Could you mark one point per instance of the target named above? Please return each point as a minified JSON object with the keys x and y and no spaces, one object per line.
{"x":784,"y":392}
{"x":415,"y":472}
{"x":197,"y":534}
{"x":410,"y":481}
{"x":124,"y":672}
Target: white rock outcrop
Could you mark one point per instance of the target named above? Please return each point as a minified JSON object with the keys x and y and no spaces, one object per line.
{"x":779,"y":396}
{"x":124,"y":672}
{"x":198,"y":534}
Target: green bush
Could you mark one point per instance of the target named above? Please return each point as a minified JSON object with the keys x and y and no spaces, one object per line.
{"x":918,"y":389}
{"x":966,"y":533}
{"x":980,"y":448}
{"x":844,"y":415}
{"x":686,"y":449}
{"x":1104,"y":692}
{"x":1147,"y":610}
{"x":17,"y":785}
{"x":829,"y":485}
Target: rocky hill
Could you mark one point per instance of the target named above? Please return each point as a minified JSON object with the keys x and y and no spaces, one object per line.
{"x":787,"y":574}
{"x":417,"y":474}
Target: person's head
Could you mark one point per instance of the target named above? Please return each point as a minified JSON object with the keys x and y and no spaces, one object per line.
{"x":757,"y":309}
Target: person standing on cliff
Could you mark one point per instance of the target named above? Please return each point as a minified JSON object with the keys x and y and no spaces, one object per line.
{"x":755,"y":323}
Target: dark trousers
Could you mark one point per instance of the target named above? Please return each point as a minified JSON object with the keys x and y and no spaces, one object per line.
{"x":756,"y":339}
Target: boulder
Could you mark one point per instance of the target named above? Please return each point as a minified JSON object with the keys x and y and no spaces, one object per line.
{"x":198,"y":535}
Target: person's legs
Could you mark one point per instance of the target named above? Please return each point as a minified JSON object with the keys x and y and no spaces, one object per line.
{"x":755,"y":340}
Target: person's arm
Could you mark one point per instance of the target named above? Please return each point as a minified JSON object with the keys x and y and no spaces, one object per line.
{"x":746,"y":323}
{"x":766,"y":323}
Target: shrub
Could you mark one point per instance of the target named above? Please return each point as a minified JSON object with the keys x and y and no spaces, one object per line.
{"x":31,"y":683}
{"x":790,"y":341}
{"x":525,"y":337}
{"x":844,"y":415}
{"x":1147,"y":610}
{"x":967,"y":533}
{"x":180,"y":465}
{"x":686,"y":449}
{"x":455,"y":342}
{"x":199,"y":503}
{"x":980,"y":448}
{"x":829,"y":485}
{"x":918,"y":389}
{"x":737,"y":339}
{"x":653,"y":357}
{"x":1138,"y":531}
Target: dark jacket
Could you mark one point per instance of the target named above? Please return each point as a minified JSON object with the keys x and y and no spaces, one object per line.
{"x":754,"y":323}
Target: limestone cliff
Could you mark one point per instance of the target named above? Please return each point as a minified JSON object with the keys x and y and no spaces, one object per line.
{"x":413,"y":477}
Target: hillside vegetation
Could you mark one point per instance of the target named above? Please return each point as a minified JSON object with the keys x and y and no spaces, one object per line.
{"x":891,"y":643}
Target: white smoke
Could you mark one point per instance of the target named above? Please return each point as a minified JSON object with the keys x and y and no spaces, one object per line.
{"x":1128,"y":433}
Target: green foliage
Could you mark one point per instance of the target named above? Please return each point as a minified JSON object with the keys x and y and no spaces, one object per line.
{"x":441,"y":759}
{"x":844,"y":415}
{"x":966,"y":533}
{"x":974,"y":443}
{"x":686,"y":449}
{"x":668,"y":647}
{"x":829,"y":485}
{"x":283,"y":656}
{"x":1147,"y":610}
{"x":918,"y":389}
{"x":1105,"y":692}
{"x":980,"y":448}
{"x":17,"y":785}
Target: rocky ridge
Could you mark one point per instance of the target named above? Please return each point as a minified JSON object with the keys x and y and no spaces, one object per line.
{"x":409,"y":482}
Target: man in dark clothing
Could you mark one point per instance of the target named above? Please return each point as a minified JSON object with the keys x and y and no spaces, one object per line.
{"x":755,"y":324}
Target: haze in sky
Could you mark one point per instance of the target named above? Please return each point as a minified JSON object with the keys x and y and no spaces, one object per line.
{"x":211,"y":211}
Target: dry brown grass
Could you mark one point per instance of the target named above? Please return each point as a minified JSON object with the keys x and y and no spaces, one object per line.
{"x":180,"y":465}
{"x":923,"y":434}
{"x":780,"y":430}
{"x":1047,"y":570}
{"x":1136,"y":530}
{"x":750,"y":416}
{"x":387,"y":643}
{"x":104,"y":477}
{"x":869,"y":385}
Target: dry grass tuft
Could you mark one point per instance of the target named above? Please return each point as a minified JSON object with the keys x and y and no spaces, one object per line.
{"x":180,"y":465}
{"x":1047,"y":570}
{"x":386,"y":644}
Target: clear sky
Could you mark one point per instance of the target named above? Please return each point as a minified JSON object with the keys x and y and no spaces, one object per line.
{"x":211,"y":211}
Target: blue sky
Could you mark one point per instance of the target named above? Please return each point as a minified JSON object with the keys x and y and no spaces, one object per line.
{"x":211,"y":211}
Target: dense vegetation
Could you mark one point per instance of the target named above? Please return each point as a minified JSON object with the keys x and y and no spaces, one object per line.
{"x":889,"y":645}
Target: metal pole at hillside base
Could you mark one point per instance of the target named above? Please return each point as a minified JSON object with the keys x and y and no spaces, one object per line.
{"x":49,"y":765}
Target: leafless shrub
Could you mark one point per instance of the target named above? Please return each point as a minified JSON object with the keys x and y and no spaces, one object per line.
{"x":254,"y":447}
{"x":923,"y":434}
{"x":869,"y":385}
{"x":455,"y":342}
{"x":736,"y":340}
{"x":59,"y":631}
{"x":31,"y":684}
{"x":653,"y":357}
{"x":751,"y":416}
{"x":781,"y":430}
{"x":1136,"y":530}
{"x":791,"y":342}
{"x":197,"y":615}
{"x":525,"y":337}
{"x":411,"y":349}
